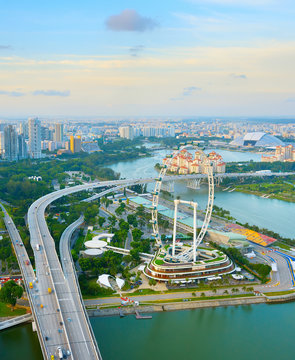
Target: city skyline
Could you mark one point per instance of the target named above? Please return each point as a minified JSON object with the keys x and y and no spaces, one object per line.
{"x":189,"y":58}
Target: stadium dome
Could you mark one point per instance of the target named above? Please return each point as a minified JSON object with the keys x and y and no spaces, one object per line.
{"x":257,"y":139}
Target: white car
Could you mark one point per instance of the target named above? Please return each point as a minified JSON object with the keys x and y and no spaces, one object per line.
{"x":60,"y":353}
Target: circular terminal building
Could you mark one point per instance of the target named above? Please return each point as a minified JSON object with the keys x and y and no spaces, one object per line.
{"x":209,"y":263}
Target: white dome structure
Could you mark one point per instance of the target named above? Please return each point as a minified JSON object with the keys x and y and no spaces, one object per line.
{"x":259,"y":139}
{"x":95,"y":244}
{"x":93,"y":252}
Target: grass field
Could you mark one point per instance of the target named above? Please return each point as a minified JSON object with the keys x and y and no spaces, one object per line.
{"x":5,"y":310}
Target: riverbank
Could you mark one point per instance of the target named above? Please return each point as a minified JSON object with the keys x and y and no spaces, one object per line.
{"x":268,"y":298}
{"x":176,"y":306}
{"x":287,"y":198}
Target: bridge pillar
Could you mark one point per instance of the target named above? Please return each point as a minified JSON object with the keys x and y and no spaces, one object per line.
{"x":168,"y":186}
{"x":34,"y":327}
{"x":193,"y":184}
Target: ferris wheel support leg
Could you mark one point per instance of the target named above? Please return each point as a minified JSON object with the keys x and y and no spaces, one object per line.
{"x":195,"y":233}
{"x":176,"y":202}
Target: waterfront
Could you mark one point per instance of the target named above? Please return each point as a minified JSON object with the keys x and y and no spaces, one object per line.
{"x":144,"y":167}
{"x":272,"y":214}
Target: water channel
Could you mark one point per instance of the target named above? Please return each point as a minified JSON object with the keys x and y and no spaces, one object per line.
{"x":242,"y":332}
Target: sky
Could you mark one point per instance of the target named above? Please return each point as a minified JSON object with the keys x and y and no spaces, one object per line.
{"x":147,"y":58}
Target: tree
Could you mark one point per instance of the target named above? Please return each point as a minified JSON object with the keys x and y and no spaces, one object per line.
{"x":101,"y":221}
{"x":123,"y":225}
{"x":112,"y":221}
{"x":152,"y":282}
{"x":131,"y":218}
{"x":10,"y":292}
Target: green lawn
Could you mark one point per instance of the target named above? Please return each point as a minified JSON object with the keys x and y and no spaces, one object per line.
{"x":201,"y":298}
{"x":283,"y":246}
{"x":277,"y":293}
{"x":159,"y":262}
{"x":6,"y":311}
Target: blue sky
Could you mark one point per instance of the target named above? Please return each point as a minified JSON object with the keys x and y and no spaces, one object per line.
{"x":189,"y":57}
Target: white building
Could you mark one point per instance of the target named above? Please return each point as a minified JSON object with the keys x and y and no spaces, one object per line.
{"x":34,"y":138}
{"x":126,"y":132}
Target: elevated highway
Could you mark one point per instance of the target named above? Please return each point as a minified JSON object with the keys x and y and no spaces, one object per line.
{"x":67,"y":324}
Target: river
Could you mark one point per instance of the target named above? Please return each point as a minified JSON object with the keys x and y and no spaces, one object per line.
{"x":226,"y":333}
{"x":229,"y":333}
{"x":273,"y":214}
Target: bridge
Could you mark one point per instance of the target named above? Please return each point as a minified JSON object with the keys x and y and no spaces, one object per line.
{"x":15,"y":321}
{"x":143,"y":256}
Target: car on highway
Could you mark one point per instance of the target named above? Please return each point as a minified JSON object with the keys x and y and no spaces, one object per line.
{"x":60,"y":353}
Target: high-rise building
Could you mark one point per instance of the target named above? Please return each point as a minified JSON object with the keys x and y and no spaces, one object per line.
{"x":59,"y":132}
{"x":75,"y":144}
{"x":1,"y":143}
{"x":24,"y":129}
{"x":46,"y":133}
{"x":34,"y":138}
{"x":22,"y":149}
{"x":10,"y":143}
{"x":51,"y":145}
{"x":126,"y":132}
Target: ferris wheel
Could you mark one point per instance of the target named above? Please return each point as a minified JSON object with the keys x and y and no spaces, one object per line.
{"x":207,"y":169}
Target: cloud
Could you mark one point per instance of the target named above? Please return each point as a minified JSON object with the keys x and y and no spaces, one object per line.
{"x":188,"y":91}
{"x":52,"y":93}
{"x":12,"y":93}
{"x":238,"y":76}
{"x":5,"y":47}
{"x":136,"y":50}
{"x":290,"y":100}
{"x":130,"y":20}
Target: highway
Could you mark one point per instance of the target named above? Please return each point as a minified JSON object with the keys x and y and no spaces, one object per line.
{"x":66,"y":323}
